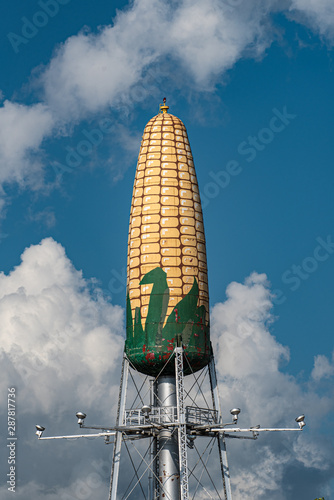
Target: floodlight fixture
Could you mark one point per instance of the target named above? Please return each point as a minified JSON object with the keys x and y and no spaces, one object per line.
{"x":81,"y":417}
{"x":300,"y":421}
{"x":190,"y":442}
{"x":254,"y":429}
{"x":146,"y":409}
{"x":39,"y":430}
{"x":235,"y":412}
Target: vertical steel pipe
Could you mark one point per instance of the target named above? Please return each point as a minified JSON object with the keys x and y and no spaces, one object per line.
{"x":169,"y":474}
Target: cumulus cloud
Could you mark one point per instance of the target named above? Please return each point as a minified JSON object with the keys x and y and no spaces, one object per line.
{"x":52,"y":331}
{"x":209,"y":37}
{"x":323,"y":368}
{"x":90,"y":72}
{"x":80,"y":489}
{"x":22,"y":130}
{"x":319,"y":14}
{"x":249,"y":365}
{"x":244,"y":337}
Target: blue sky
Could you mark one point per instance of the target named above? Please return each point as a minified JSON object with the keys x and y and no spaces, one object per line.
{"x":253,"y":83}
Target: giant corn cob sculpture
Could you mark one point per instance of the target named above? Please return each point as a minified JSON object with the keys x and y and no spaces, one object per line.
{"x":167,"y":285}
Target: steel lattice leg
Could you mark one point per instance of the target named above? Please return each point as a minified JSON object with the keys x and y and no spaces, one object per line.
{"x":118,"y":438}
{"x":182,"y":431}
{"x":221,"y":441}
{"x":224,"y":467}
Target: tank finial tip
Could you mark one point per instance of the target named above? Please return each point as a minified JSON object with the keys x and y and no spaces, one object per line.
{"x":163,"y":107}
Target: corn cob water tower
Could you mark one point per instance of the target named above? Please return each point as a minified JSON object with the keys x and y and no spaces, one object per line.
{"x":167,"y":288}
{"x":168,"y":400}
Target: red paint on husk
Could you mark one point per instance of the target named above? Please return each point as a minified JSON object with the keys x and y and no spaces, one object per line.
{"x":149,"y":355}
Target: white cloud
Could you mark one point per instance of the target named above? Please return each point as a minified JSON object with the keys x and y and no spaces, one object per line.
{"x":261,"y":481}
{"x":22,"y":130}
{"x":311,"y":455}
{"x":243,"y":342}
{"x":209,"y":37}
{"x":319,"y":14}
{"x":248,"y":360}
{"x":53,"y":332}
{"x":90,"y":72}
{"x":323,"y":368}
{"x":92,"y":483}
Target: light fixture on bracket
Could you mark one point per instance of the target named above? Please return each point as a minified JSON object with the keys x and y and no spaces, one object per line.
{"x":146,"y":409}
{"x":39,"y":430}
{"x":190,"y":441}
{"x":81,"y":417}
{"x":235,"y":412}
{"x":300,"y":421}
{"x":254,"y":430}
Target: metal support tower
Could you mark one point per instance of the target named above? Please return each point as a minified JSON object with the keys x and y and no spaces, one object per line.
{"x":160,"y":417}
{"x":172,"y":428}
